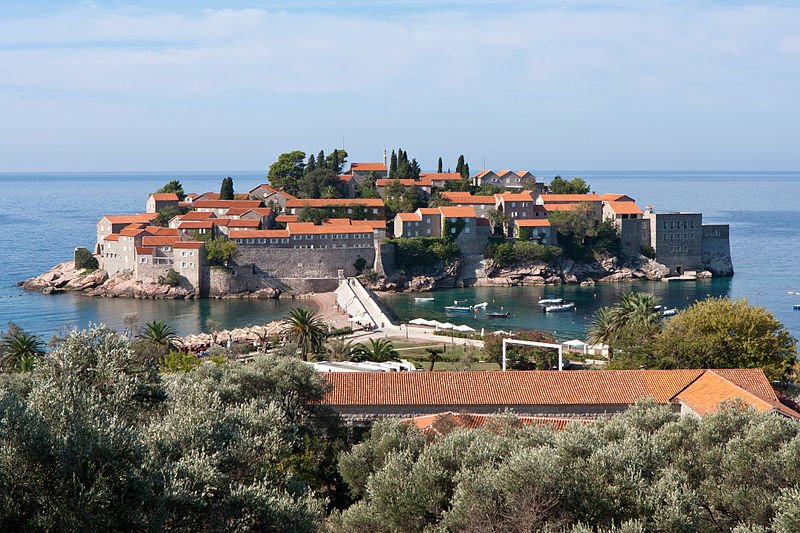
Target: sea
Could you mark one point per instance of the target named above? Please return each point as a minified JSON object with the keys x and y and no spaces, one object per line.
{"x":44,"y":216}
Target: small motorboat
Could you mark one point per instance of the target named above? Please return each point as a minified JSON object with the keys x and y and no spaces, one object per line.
{"x":497,"y":314}
{"x":669,"y":312}
{"x":561,"y":308}
{"x":457,"y":309}
{"x":551,"y":301}
{"x":796,"y":307}
{"x":423,"y":299}
{"x":482,"y":305}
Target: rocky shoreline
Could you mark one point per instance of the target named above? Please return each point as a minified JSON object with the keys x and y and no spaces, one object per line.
{"x":64,"y":277}
{"x":606,"y":270}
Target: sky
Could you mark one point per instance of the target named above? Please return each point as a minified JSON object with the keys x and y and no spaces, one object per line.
{"x":573,"y":84}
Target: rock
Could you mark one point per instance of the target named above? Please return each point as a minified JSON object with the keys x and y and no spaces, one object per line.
{"x":705,"y":274}
{"x":587,"y":283}
{"x":421,"y":284}
{"x":266,"y":293}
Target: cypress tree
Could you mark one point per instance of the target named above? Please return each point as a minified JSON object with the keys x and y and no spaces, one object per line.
{"x":335,"y":161}
{"x":439,"y":168}
{"x":415,"y":169}
{"x":321,"y":163}
{"x":312,"y":164}
{"x":460,"y":165}
{"x":465,"y":171}
{"x":393,"y":165}
{"x":226,"y":189}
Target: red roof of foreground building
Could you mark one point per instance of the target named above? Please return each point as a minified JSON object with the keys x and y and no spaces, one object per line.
{"x":148,"y":240}
{"x":441,"y":176}
{"x":546,"y":387}
{"x":165,"y":196}
{"x":440,"y":424}
{"x":624,"y":208}
{"x":309,"y":228}
{"x":188,"y":244}
{"x":450,"y":211}
{"x":258,"y":233}
{"x":522,"y":196}
{"x":286,"y":218}
{"x":533,"y":223}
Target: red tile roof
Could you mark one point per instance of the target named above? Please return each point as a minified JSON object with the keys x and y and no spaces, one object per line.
{"x":237,"y":223}
{"x":144,"y":250}
{"x":366,"y":167}
{"x":569,"y":198}
{"x":533,"y":223}
{"x":188,"y":244}
{"x":450,"y":211}
{"x":132,"y":231}
{"x":410,"y":217}
{"x":502,"y":173}
{"x":385,"y":182}
{"x":458,"y":197}
{"x":159,"y":230}
{"x":345,"y":177}
{"x":222,"y":204}
{"x":561,"y":207}
{"x":111,"y":237}
{"x":483,"y":173}
{"x":522,"y":196}
{"x":131,"y":219}
{"x":154,"y":240}
{"x":165,"y":196}
{"x":624,"y":208}
{"x":440,"y":424}
{"x":612,"y":197}
{"x":272,"y":189}
{"x":441,"y":176}
{"x":258,"y":233}
{"x":286,"y":218}
{"x":196,"y":224}
{"x":429,"y":211}
{"x":197,"y":215}
{"x":334,"y":202}
{"x":309,"y":228}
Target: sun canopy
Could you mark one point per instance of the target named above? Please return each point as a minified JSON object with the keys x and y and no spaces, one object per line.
{"x":464,"y":328}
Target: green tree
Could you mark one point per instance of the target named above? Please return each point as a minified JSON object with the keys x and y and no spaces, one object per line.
{"x":159,"y":333}
{"x":84,"y":260}
{"x":559,"y":185}
{"x":522,"y":357}
{"x":315,"y":183}
{"x":379,"y":351}
{"x":285,"y":173}
{"x":498,"y":221}
{"x":336,"y":160}
{"x":20,"y":350}
{"x":434,"y":354}
{"x":439,"y":166}
{"x":173,"y":186}
{"x":220,"y":251}
{"x":226,"y":189}
{"x":179,"y":361}
{"x":460,"y":165}
{"x":311,"y":165}
{"x":367,"y":189}
{"x":465,"y":171}
{"x":725,"y":333}
{"x":629,"y":325}
{"x":393,"y":165}
{"x":339,"y":349}
{"x":306,"y":329}
{"x":165,"y":215}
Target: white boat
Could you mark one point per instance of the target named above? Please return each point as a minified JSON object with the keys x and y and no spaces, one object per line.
{"x":458,"y":309}
{"x":559,"y":308}
{"x":551,"y":301}
{"x":423,"y":299}
{"x":796,"y":307}
{"x":482,"y":305}
{"x":669,"y":312}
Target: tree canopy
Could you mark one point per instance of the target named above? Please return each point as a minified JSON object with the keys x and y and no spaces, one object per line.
{"x":285,"y":173}
{"x":173,"y":186}
{"x":574,"y":186}
{"x":226,"y":189}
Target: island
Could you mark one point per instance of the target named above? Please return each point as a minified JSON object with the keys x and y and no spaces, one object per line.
{"x":390,"y":224}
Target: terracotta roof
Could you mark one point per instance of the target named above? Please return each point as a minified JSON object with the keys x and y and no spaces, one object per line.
{"x":522,"y":196}
{"x":561,"y":207}
{"x":159,"y":230}
{"x":345,"y":177}
{"x":482,"y":173}
{"x":258,"y":233}
{"x":235,"y":211}
{"x":111,"y":237}
{"x":144,"y":250}
{"x":365,"y":167}
{"x":467,"y":198}
{"x":154,"y":240}
{"x":132,"y":231}
{"x":188,"y":244}
{"x":533,"y":223}
{"x":272,"y":190}
{"x":286,"y":218}
{"x":131,"y":219}
{"x":429,"y":211}
{"x":261,"y":211}
{"x":450,"y":211}
{"x":222,"y":204}
{"x":197,"y":215}
{"x":441,"y":176}
{"x":309,"y":228}
{"x":523,"y":173}
{"x":624,"y":208}
{"x":335,"y":202}
{"x":373,"y":224}
{"x":501,"y":173}
{"x":569,"y":198}
{"x":612,"y":197}
{"x":237,"y":222}
{"x":165,"y":196}
{"x":410,"y":217}
{"x":440,"y":424}
{"x":196,"y":224}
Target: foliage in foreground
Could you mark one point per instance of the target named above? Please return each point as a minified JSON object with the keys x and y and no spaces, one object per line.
{"x":94,"y":441}
{"x":414,"y":253}
{"x":645,"y":470}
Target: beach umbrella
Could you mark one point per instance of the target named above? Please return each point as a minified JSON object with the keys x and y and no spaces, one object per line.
{"x":446,"y":325}
{"x":463,"y":328}
{"x":419,"y":322}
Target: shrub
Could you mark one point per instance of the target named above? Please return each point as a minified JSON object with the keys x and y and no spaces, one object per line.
{"x":220,"y":251}
{"x":177,"y":361}
{"x":84,"y":260}
{"x":360,"y":264}
{"x":172,"y":278}
{"x":521,"y":357}
{"x":508,"y":253}
{"x":648,"y":251}
{"x":423,"y":252}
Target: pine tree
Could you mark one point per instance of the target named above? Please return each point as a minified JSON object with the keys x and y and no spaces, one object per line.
{"x":460,"y":165}
{"x":415,"y":170}
{"x":321,"y":162}
{"x":439,"y":168}
{"x":393,"y":165}
{"x":312,"y":164}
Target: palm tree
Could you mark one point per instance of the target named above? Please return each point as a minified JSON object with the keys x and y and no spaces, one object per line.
{"x":340,"y":350}
{"x":433,"y":356}
{"x":20,"y":350}
{"x":306,"y":329}
{"x":634,"y":314}
{"x":379,"y":351}
{"x":158,"y":332}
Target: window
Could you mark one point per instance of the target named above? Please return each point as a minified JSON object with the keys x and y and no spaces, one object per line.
{"x":375,"y":211}
{"x":249,"y":241}
{"x":297,"y":237}
{"x":143,"y":260}
{"x":453,"y":230}
{"x":428,"y":231}
{"x":466,"y":230}
{"x":309,"y":237}
{"x":183,"y":265}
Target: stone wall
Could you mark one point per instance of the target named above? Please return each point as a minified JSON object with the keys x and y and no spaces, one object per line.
{"x":633,"y":233}
{"x":717,"y":249}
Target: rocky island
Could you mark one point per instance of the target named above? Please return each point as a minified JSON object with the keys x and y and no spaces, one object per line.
{"x":394,"y":226}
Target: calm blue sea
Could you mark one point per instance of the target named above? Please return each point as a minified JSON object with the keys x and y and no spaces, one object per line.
{"x":43,"y":216}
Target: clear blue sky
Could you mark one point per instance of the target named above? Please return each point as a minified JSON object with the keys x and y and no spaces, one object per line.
{"x":580,"y":84}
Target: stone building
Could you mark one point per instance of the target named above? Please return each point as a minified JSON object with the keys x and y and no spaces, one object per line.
{"x":481,"y":203}
{"x":270,"y":196}
{"x":367,"y":208}
{"x":221,"y":207}
{"x":359,"y":171}
{"x":518,"y":206}
{"x":115,"y":223}
{"x":535,"y":229}
{"x":571,"y":202}
{"x":158,"y":201}
{"x":508,"y":180}
{"x":677,"y":239}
